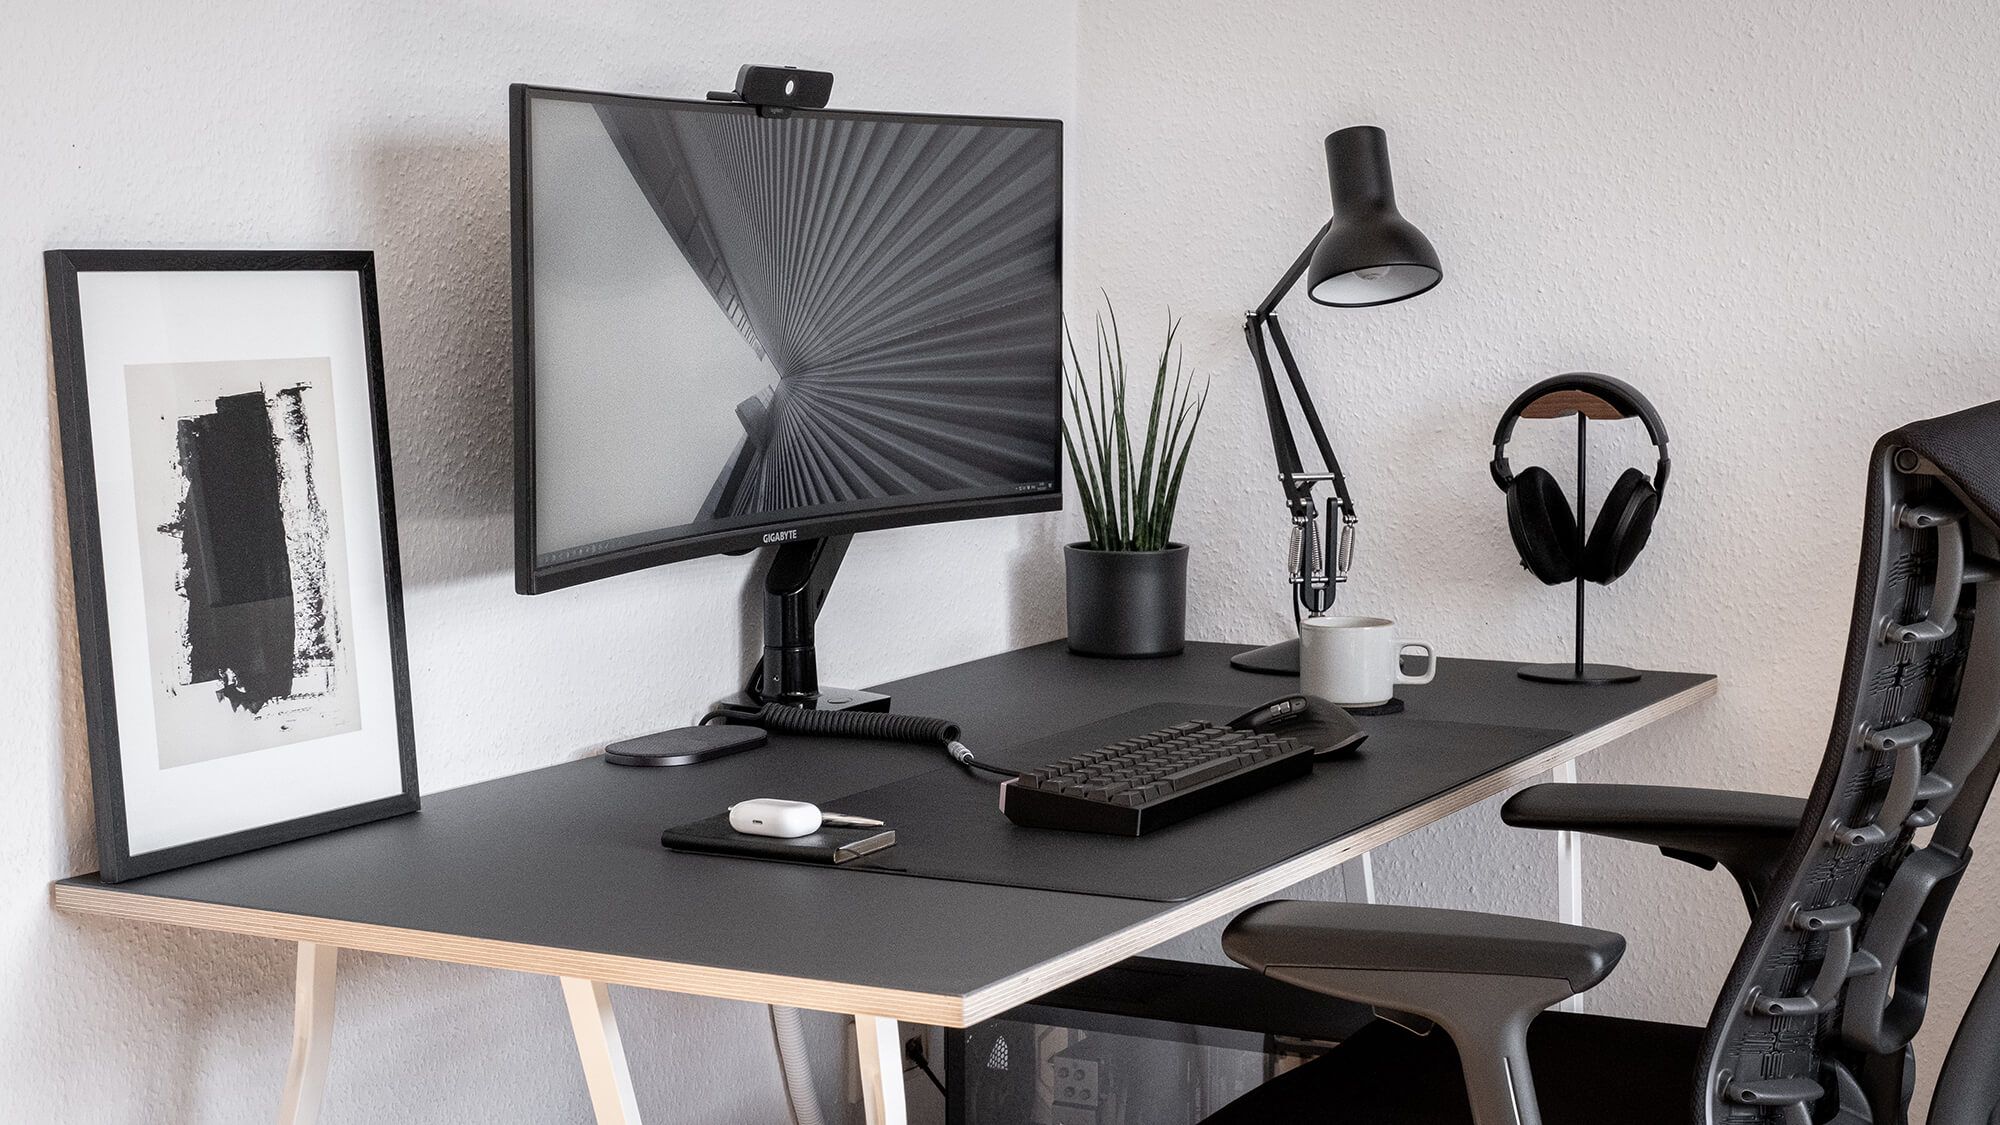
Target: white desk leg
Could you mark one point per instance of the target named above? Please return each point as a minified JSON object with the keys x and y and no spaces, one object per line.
{"x":879,"y":1045}
{"x":1357,"y":878}
{"x":312,"y":1034}
{"x":1569,"y":874}
{"x":605,"y":1071}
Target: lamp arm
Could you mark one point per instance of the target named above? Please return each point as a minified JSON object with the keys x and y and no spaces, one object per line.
{"x":1314,"y":570}
{"x":1284,"y":447}
{"x":1292,"y":275}
{"x":1311,"y":415}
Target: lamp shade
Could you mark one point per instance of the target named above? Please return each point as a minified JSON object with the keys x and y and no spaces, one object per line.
{"x":1370,"y":255}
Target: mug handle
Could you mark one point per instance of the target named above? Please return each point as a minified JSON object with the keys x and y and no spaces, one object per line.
{"x":1430,"y":663}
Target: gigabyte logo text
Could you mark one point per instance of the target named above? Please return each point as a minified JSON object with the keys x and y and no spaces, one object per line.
{"x":781,"y":536}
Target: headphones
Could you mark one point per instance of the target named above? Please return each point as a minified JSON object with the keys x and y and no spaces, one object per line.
{"x":1544,"y":526}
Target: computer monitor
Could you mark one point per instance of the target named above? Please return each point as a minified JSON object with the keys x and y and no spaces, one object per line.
{"x":734,"y":329}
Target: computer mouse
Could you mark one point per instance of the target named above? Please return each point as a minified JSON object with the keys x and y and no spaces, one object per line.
{"x":1320,"y":723}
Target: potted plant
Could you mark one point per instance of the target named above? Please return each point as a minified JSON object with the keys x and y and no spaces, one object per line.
{"x":1127,"y":583}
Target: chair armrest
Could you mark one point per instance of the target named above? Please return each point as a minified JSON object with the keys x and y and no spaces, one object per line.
{"x":1343,"y":935}
{"x":1481,"y":977}
{"x":1745,"y":833}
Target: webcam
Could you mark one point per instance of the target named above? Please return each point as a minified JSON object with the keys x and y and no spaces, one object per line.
{"x":777,"y":90}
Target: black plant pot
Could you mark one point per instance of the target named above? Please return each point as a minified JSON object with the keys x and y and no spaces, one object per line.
{"x":1127,"y":603}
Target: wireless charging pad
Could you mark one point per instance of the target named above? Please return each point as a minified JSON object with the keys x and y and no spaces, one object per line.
{"x":686,"y":746}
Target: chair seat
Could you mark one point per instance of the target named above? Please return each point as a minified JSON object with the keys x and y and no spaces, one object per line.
{"x":1588,"y":1070}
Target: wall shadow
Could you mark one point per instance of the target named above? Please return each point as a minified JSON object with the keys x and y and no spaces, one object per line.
{"x":437,"y":213}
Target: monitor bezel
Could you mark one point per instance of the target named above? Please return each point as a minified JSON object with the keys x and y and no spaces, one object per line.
{"x":533,"y":577}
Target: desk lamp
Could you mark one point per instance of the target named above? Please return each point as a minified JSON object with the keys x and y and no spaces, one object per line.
{"x":1366,"y":254}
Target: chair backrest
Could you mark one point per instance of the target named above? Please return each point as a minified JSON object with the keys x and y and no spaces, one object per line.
{"x":1815,"y":1021}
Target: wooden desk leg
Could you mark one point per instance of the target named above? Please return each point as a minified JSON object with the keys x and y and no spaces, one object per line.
{"x":604,"y":1068}
{"x":1569,"y":874}
{"x":1357,"y":878}
{"x":312,"y":1034}
{"x":880,"y":1047}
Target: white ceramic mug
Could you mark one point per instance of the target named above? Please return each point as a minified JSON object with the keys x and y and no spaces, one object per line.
{"x":1356,"y":661}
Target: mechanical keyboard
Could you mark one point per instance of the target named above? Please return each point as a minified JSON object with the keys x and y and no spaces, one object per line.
{"x":1136,"y":785}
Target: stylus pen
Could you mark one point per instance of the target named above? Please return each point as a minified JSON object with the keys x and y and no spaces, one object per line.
{"x":840,"y":821}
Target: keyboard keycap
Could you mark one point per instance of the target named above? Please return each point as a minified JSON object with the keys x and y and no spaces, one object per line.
{"x":1191,"y":776}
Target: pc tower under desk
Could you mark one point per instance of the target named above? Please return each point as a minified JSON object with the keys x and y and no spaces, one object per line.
{"x":1149,"y":1041}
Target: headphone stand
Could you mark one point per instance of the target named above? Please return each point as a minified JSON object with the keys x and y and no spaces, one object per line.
{"x":1577,"y":671}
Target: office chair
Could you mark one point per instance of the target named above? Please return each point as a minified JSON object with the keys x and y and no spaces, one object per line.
{"x":1846,"y":889}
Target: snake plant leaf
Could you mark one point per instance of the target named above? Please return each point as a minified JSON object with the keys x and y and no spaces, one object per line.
{"x":1129,"y":484}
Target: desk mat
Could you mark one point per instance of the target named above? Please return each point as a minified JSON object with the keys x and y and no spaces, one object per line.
{"x":949,"y":825}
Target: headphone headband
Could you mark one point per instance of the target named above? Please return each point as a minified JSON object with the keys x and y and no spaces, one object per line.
{"x":1617,"y":392}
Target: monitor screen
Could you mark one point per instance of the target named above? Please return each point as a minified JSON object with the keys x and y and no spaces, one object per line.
{"x":733,"y":329}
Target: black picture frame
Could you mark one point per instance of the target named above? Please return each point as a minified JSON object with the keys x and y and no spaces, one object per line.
{"x":67,"y":338}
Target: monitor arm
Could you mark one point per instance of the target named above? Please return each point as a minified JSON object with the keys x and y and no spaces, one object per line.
{"x":796,"y":583}
{"x":800,"y":576}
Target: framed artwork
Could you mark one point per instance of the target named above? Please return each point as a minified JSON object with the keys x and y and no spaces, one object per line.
{"x":233,"y":538}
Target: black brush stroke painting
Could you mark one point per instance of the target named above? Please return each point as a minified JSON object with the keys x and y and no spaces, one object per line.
{"x":233,"y":545}
{"x":244,"y":555}
{"x":253,"y":562}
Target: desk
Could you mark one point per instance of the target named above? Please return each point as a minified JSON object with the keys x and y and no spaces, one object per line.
{"x":559,"y":871}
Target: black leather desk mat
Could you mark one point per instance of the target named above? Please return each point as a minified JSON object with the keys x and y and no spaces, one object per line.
{"x":569,"y":857}
{"x":949,"y":826}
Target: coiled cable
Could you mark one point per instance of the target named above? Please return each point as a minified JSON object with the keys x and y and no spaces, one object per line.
{"x":885,"y":725}
{"x":784,"y":718}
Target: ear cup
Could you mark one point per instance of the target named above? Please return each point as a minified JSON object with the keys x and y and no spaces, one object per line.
{"x":1621,"y":529}
{"x":1544,"y":527}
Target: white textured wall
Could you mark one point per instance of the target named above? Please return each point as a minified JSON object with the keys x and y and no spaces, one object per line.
{"x":1777,"y":219}
{"x":383,"y":125}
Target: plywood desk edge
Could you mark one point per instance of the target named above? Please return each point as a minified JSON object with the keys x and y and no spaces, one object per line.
{"x":607,"y":968}
{"x":935,"y":1009}
{"x":1021,"y":987}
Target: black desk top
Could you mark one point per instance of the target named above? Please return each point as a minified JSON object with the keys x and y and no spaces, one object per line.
{"x":560,"y":870}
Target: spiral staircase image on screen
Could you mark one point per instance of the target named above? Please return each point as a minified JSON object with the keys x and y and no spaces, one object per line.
{"x":897,"y":277}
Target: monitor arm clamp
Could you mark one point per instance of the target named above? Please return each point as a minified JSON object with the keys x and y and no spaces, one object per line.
{"x":796,"y":583}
